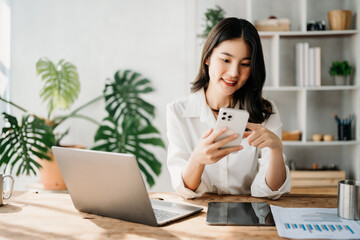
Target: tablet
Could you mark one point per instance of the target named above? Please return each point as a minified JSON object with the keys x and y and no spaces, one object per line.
{"x":239,"y":213}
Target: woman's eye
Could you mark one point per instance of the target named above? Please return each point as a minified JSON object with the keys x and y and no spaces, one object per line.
{"x":245,"y":64}
{"x":226,"y":60}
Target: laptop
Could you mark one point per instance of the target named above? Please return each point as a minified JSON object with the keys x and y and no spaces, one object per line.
{"x":111,"y":185}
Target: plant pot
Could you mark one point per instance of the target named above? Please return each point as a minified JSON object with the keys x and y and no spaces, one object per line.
{"x":50,"y":175}
{"x":340,"y":19}
{"x":340,"y":80}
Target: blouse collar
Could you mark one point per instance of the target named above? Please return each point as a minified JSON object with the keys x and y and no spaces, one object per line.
{"x":196,"y":106}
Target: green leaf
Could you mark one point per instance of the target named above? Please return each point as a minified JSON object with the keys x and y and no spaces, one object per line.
{"x":23,"y":143}
{"x":128,"y":128}
{"x":153,"y":141}
{"x":61,"y":83}
{"x":150,"y":180}
{"x":123,"y":93}
{"x":149,"y":159}
{"x":212,"y":17}
{"x":148,"y":129}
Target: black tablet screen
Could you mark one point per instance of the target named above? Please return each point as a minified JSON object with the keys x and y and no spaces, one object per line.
{"x":238,"y":213}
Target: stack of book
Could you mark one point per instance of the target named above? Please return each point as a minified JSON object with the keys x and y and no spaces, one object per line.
{"x":308,"y":65}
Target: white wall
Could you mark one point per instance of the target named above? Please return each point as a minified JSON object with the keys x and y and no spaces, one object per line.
{"x":155,"y":38}
{"x":4,"y":53}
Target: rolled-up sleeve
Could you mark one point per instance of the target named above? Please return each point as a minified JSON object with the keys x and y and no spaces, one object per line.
{"x":178,"y":154}
{"x":259,"y":187}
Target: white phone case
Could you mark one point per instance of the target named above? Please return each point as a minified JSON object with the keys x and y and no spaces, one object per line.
{"x":235,"y":120}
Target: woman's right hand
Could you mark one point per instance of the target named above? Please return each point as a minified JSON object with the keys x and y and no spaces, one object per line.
{"x":208,"y":151}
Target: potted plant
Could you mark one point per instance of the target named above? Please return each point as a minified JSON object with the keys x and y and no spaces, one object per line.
{"x":26,"y":143}
{"x":341,"y":71}
{"x":212,"y":17}
{"x":23,"y":142}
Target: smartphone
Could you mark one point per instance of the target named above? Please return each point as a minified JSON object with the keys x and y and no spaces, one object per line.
{"x":235,"y":120}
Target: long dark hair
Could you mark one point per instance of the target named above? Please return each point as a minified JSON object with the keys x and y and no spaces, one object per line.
{"x":249,"y":96}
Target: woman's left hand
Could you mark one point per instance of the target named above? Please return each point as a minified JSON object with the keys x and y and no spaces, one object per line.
{"x":262,"y":137}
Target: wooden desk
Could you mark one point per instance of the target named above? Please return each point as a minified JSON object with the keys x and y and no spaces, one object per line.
{"x":30,"y":215}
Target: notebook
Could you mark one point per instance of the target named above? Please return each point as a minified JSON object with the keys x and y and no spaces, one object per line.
{"x":111,"y":185}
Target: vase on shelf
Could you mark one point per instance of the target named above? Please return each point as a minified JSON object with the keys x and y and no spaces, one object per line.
{"x":341,"y":80}
{"x":340,"y":19}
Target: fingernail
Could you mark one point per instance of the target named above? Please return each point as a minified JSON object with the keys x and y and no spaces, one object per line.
{"x":224,"y":129}
{"x":236,"y":135}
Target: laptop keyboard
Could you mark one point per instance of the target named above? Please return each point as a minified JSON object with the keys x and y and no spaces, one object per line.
{"x":161,"y":215}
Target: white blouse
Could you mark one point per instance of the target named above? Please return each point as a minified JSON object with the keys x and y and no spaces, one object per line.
{"x":242,"y":172}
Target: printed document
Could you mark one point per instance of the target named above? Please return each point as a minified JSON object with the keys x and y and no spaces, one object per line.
{"x":314,"y":223}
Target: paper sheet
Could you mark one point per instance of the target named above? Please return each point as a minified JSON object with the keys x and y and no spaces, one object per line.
{"x":320,"y":223}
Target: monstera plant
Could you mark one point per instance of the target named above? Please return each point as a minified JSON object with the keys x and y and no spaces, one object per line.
{"x":128,"y":127}
{"x":21,"y":143}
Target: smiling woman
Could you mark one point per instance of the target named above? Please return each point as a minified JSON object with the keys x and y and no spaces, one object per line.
{"x":232,"y":73}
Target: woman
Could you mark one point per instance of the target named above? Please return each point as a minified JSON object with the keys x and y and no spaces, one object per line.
{"x":232,"y":74}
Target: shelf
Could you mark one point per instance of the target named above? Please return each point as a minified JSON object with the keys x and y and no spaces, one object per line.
{"x":322,"y":88}
{"x":309,"y":108}
{"x":284,"y":88}
{"x":331,"y":88}
{"x":311,"y":143}
{"x":309,"y":33}
{"x":317,"y":178}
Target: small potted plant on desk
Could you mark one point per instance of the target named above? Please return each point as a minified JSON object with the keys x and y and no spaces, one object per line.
{"x":341,"y":72}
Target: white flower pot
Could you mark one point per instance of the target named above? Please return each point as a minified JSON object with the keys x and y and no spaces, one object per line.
{"x":341,"y":80}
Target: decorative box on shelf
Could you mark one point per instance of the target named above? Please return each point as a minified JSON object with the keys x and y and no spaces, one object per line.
{"x":316,"y":178}
{"x":273,"y":24}
{"x":294,"y":135}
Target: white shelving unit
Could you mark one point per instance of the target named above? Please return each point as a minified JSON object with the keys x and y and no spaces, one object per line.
{"x":309,"y":109}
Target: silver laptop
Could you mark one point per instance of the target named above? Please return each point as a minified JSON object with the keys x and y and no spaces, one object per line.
{"x":111,"y":185}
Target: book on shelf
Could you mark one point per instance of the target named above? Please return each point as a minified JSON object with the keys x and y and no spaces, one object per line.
{"x":317,"y":66}
{"x":308,"y":65}
{"x":311,"y":70}
{"x":299,"y":64}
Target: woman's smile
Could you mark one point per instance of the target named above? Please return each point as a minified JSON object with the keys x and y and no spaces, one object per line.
{"x":229,"y":83}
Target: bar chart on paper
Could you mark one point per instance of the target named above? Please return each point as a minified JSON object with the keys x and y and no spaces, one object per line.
{"x":318,"y":227}
{"x":320,"y":223}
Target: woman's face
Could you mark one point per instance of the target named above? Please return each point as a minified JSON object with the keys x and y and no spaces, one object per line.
{"x":229,"y":66}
